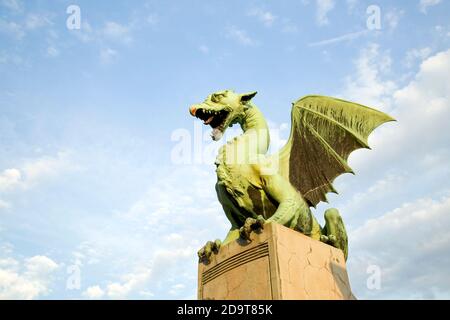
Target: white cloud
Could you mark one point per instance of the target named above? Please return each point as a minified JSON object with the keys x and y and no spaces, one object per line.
{"x":27,"y":280}
{"x":38,"y":265}
{"x":48,"y":167}
{"x":157,"y":203}
{"x":18,"y":30}
{"x":52,"y":51}
{"x":421,"y":107}
{"x":390,"y":184}
{"x":33,"y":172}
{"x":392,"y":17}
{"x":410,"y":244}
{"x":35,"y":21}
{"x":94,"y":292}
{"x":240,"y":36}
{"x":442,"y":32}
{"x":86,"y":32}
{"x":416,"y":54}
{"x":324,"y":7}
{"x":13,"y":5}
{"x":266,"y":17}
{"x":367,"y":85}
{"x":143,"y":266}
{"x":176,"y":289}
{"x":111,"y":32}
{"x":108,"y":55}
{"x":346,"y":37}
{"x":425,"y":4}
{"x":86,"y":254}
{"x":15,"y":59}
{"x":9,"y":179}
{"x":117,"y":32}
{"x":174,"y":238}
{"x":11,"y":29}
{"x":424,"y":104}
{"x":131,"y":282}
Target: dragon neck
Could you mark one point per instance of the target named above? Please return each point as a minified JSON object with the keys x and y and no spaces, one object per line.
{"x":252,"y":142}
{"x":245,"y":148}
{"x":255,"y":129}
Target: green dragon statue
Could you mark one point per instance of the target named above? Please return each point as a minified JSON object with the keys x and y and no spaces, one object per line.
{"x":255,"y":188}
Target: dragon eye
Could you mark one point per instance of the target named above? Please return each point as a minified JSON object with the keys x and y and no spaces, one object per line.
{"x":215,"y":97}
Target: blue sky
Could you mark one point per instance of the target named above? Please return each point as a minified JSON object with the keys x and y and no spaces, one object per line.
{"x":88,"y":116}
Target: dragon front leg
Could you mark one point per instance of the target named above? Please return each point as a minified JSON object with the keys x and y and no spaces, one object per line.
{"x":293,"y":211}
{"x":250,"y":225}
{"x":204,"y":254}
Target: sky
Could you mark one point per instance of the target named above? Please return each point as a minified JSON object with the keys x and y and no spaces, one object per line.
{"x":96,"y":204}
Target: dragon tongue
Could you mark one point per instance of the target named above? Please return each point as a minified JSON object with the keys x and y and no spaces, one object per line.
{"x":209,"y":120}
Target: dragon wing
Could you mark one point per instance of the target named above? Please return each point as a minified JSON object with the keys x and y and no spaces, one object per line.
{"x":324,"y":132}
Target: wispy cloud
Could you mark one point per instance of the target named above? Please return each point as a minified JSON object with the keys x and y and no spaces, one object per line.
{"x":323,"y":8}
{"x":11,"y":29}
{"x":35,"y":171}
{"x":18,"y":30}
{"x":124,"y":193}
{"x":416,"y":54}
{"x":11,"y":58}
{"x":425,"y":4}
{"x":392,"y":17}
{"x":422,"y":105}
{"x":86,"y":33}
{"x":405,"y":274}
{"x":169,"y":254}
{"x":110,"y":31}
{"x":13,"y":5}
{"x":367,"y":84}
{"x":35,"y":21}
{"x":52,"y":51}
{"x":287,"y":26}
{"x":116,"y":32}
{"x":240,"y":36}
{"x":346,"y":37}
{"x":266,"y":17}
{"x":108,"y":56}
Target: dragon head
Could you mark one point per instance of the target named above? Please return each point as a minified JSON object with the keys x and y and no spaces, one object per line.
{"x":221,"y":110}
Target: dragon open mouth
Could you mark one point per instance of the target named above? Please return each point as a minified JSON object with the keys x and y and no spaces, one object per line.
{"x":216,"y":119}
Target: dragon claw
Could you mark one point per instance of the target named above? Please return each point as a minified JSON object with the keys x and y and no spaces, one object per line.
{"x":261,"y":221}
{"x":204,"y":254}
{"x":251,"y":224}
{"x":332,"y":238}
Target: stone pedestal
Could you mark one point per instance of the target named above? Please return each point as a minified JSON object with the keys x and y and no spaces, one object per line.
{"x":278,"y":263}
